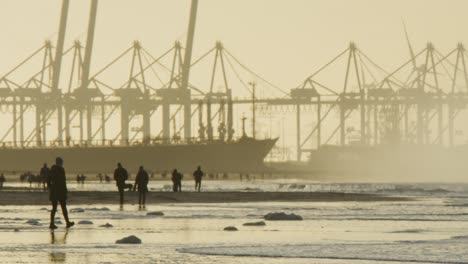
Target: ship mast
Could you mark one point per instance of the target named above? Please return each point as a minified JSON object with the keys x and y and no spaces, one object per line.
{"x":253,"y":84}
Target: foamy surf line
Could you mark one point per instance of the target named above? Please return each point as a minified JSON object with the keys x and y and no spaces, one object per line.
{"x":413,"y":252}
{"x":95,"y":197}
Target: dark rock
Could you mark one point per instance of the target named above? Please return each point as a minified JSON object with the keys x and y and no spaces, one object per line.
{"x":282,"y":217}
{"x":85,"y":222}
{"x":98,"y":209}
{"x":129,"y":240}
{"x":230,"y":228}
{"x":155,"y":214}
{"x":33,"y":222}
{"x":107,"y":225}
{"x":260,"y":223}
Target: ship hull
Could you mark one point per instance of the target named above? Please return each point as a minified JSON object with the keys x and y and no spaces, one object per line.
{"x":243,"y":155}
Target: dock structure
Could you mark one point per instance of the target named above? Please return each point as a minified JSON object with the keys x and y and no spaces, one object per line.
{"x":420,"y":102}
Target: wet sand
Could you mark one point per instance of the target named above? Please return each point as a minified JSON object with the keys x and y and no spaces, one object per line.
{"x":17,"y":197}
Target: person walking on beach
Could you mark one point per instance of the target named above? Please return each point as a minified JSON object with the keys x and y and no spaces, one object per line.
{"x":82,"y":179}
{"x":198,"y":175}
{"x":2,"y":180}
{"x":141,"y":183}
{"x":177,"y":181}
{"x":120,"y":176}
{"x":30,"y":180}
{"x":58,"y":192}
{"x":44,"y":175}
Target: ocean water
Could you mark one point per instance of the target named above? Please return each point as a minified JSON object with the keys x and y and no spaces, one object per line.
{"x":277,"y":185}
{"x":432,"y":228}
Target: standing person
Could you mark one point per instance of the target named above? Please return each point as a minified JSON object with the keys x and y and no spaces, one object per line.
{"x":58,"y":192}
{"x":177,"y":181}
{"x":198,"y":174}
{"x":120,"y":176}
{"x":44,"y":175}
{"x":180,"y":176}
{"x":141,"y":182}
{"x":174,"y":180}
{"x":2,"y":180}
{"x":30,"y":179}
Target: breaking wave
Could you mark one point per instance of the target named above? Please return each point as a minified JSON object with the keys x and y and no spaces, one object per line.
{"x":421,"y":252}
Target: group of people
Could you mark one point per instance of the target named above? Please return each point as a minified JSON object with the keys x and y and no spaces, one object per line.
{"x":39,"y":179}
{"x":177,"y":179}
{"x":106,"y":177}
{"x":58,"y":192}
{"x":142,"y":180}
{"x":80,"y":178}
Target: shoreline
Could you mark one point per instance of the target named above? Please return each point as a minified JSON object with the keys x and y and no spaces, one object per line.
{"x":100,"y":197}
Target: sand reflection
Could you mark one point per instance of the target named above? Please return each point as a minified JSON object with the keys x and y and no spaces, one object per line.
{"x":55,"y":239}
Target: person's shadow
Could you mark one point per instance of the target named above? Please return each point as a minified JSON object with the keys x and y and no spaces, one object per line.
{"x":57,"y":256}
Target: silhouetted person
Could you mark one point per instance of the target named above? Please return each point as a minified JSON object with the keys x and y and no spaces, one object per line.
{"x":58,"y":192}
{"x":99,"y":176}
{"x":141,"y":183}
{"x":120,"y":176}
{"x":198,"y":175}
{"x":177,"y":181}
{"x":44,"y":175}
{"x":174,"y":180}
{"x":30,"y":179}
{"x":2,"y":180}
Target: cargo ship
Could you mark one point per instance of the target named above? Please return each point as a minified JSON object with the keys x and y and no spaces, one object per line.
{"x":245,"y":154}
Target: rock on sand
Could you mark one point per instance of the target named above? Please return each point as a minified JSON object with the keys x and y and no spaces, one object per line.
{"x":155,"y":214}
{"x":85,"y":222}
{"x":106,"y":225}
{"x":33,"y":222}
{"x":282,"y":217}
{"x":129,"y":240}
{"x":260,"y":223}
{"x":230,"y":228}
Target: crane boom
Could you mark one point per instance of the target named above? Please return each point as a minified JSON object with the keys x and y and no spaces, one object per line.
{"x":186,"y":70}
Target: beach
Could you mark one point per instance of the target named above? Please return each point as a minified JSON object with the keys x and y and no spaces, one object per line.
{"x":342,"y":223}
{"x":349,"y":224}
{"x":23,"y":196}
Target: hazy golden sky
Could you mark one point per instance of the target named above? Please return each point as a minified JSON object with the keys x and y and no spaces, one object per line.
{"x":282,"y":40}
